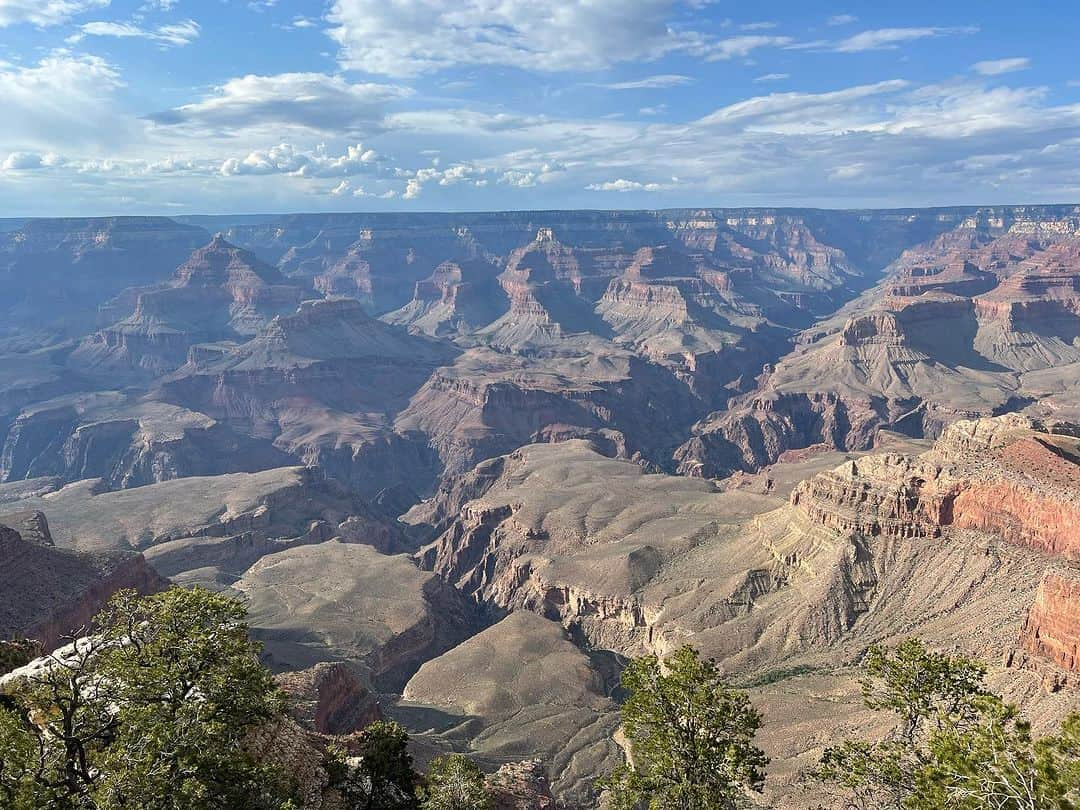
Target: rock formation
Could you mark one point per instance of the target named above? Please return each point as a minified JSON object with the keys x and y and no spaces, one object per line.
{"x":330,"y":698}
{"x":220,"y":294}
{"x":51,"y":592}
{"x":522,"y":685}
{"x":871,"y":417}
{"x":1049,"y":642}
{"x":950,"y":333}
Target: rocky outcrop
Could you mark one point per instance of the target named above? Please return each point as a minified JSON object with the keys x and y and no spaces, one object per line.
{"x":330,"y":698}
{"x":525,"y":689}
{"x":55,"y":274}
{"x":952,"y":333}
{"x":323,"y":385}
{"x":1049,"y":642}
{"x":757,"y":431}
{"x":126,"y":444}
{"x":522,"y":786}
{"x":489,"y":403}
{"x":1002,"y":477}
{"x":50,"y":593}
{"x":891,"y":495}
{"x":458,"y":298}
{"x":221,"y":293}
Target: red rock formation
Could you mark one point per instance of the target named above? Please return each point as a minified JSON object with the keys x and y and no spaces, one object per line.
{"x":890,"y":495}
{"x":998,"y":476}
{"x":220,"y":293}
{"x":1050,"y":638}
{"x":330,"y":698}
{"x":49,"y":592}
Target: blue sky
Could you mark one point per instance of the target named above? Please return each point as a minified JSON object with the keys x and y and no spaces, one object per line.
{"x":208,"y":106}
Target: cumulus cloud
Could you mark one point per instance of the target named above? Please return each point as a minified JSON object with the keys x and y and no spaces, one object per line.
{"x":408,"y":37}
{"x":63,"y":100}
{"x":18,"y":161}
{"x":623,"y":186}
{"x":996,"y":67}
{"x":284,"y":158}
{"x":889,"y":38}
{"x":314,"y":101}
{"x":44,"y":12}
{"x":175,"y":34}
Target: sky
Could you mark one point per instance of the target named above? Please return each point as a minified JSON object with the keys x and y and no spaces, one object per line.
{"x":252,"y":106}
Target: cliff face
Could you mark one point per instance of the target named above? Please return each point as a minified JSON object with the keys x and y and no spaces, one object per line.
{"x":50,"y":593}
{"x":1049,"y":642}
{"x":1001,"y":477}
{"x":56,"y":274}
{"x":220,"y":293}
{"x":125,"y":443}
{"x":330,"y":698}
{"x":948,"y":335}
{"x":489,"y":403}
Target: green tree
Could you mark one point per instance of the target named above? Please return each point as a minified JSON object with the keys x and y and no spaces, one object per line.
{"x":379,"y":775}
{"x":955,"y":745}
{"x":690,"y":736}
{"x":152,"y":712}
{"x":455,"y":783}
{"x":17,"y":652}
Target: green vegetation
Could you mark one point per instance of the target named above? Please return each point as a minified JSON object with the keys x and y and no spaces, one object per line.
{"x":455,"y":783}
{"x":690,"y":735}
{"x":955,"y":746}
{"x":17,"y":652}
{"x":379,"y":775}
{"x":157,"y":711}
{"x":777,"y":675}
{"x":153,"y":712}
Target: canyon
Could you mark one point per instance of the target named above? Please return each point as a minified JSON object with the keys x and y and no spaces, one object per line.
{"x":462,"y":467}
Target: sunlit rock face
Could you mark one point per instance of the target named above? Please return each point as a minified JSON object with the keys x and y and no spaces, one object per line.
{"x":460,"y":466}
{"x":981,"y":320}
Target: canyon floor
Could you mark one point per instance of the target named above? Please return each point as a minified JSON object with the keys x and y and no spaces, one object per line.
{"x":462,"y":467}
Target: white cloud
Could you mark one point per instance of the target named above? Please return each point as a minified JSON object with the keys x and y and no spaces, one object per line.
{"x":408,"y":37}
{"x":287,"y":159}
{"x":802,"y":112}
{"x":888,"y":38}
{"x":772,"y":77}
{"x":659,"y":81}
{"x":996,"y":67}
{"x":44,"y":12}
{"x":175,"y":34}
{"x":18,"y":161}
{"x":622,"y":185}
{"x":299,"y":23}
{"x":314,"y":101}
{"x":758,"y":26}
{"x":63,"y":100}
{"x":841,"y":19}
{"x":741,"y":46}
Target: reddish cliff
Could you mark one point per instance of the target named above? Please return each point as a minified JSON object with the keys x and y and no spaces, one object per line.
{"x":1049,"y":641}
{"x":50,"y":592}
{"x":330,"y":698}
{"x":1001,"y":476}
